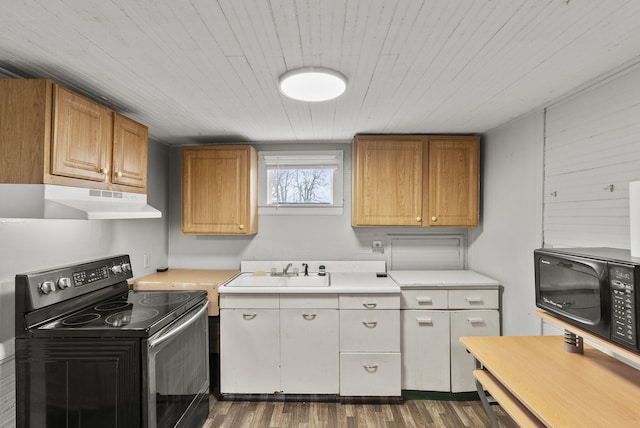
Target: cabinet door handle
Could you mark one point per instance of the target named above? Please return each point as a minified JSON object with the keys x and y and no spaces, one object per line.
{"x":249,"y":316}
{"x":370,"y":305}
{"x":434,"y":218}
{"x":105,"y":172}
{"x":473,"y":299}
{"x":370,"y":324}
{"x":475,"y":321}
{"x":241,"y":227}
{"x":309,"y":317}
{"x":118,"y":174}
{"x":422,"y":321}
{"x":370,"y":367}
{"x":418,"y":218}
{"x":424,"y":300}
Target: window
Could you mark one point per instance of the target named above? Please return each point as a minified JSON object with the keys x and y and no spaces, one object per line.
{"x":301,"y":182}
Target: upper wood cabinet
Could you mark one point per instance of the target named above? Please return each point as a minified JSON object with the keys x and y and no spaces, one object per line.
{"x":416,"y":180}
{"x":220,"y":190}
{"x":130,"y":152}
{"x":52,"y":135}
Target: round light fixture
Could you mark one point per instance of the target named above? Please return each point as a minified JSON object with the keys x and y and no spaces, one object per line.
{"x":313,"y":84}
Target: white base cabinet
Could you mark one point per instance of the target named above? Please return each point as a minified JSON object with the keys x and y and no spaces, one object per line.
{"x":370,"y":345}
{"x":433,"y":320}
{"x":271,"y":344}
{"x":250,"y":362}
{"x":309,"y":351}
{"x":468,"y":323}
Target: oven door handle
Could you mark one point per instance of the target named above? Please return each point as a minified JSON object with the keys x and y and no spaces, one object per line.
{"x":174,"y":330}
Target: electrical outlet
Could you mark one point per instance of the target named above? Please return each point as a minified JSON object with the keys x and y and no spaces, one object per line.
{"x":377,"y":247}
{"x":146,"y":261}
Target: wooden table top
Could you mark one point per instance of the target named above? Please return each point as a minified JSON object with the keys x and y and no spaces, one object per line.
{"x":560,"y":388}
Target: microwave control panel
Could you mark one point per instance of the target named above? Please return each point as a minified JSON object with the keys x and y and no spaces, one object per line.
{"x":623,"y":301}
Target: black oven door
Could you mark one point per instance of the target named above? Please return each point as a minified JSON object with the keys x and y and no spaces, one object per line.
{"x":575,"y":288}
{"x":177,"y":372}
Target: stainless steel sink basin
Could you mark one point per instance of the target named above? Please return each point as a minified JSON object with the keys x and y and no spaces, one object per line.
{"x":249,"y":280}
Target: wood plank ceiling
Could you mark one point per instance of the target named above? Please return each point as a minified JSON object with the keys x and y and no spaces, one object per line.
{"x":201,"y":70}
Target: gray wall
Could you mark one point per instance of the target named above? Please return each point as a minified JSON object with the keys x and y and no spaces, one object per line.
{"x":502,"y":247}
{"x":28,"y":244}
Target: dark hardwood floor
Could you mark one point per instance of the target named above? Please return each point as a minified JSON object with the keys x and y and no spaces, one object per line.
{"x":410,"y":413}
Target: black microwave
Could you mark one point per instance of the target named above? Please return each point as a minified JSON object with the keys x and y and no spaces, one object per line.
{"x":592,"y":288}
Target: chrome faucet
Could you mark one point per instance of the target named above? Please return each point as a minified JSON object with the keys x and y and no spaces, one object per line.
{"x":285,"y":271}
{"x":286,"y":268}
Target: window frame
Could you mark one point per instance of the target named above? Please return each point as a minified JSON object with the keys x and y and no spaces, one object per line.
{"x":332,"y":158}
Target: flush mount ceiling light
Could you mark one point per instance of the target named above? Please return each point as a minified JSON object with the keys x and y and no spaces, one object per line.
{"x":313,"y":84}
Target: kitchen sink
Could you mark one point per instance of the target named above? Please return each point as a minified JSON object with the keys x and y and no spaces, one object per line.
{"x":249,"y":280}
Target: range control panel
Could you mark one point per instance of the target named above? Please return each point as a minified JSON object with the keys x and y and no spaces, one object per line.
{"x":63,"y":283}
{"x":623,"y":301}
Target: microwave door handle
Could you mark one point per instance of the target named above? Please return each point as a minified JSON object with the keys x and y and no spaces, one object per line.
{"x":174,"y":331}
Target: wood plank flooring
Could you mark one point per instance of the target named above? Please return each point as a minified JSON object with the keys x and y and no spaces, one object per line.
{"x":410,"y":414}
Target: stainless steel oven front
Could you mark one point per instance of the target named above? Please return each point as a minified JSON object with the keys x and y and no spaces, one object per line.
{"x":177,"y":370}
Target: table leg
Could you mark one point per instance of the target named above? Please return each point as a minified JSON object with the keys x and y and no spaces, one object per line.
{"x":485,"y":402}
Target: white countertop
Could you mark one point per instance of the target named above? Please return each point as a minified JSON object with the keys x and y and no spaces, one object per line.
{"x":341,"y":283}
{"x":441,"y":278}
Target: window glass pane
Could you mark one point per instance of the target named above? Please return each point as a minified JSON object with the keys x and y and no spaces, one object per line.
{"x":300,"y":186}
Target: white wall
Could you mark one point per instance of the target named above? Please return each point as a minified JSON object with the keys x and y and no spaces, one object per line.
{"x":592,"y":142}
{"x":28,"y":244}
{"x":502,"y":247}
{"x":284,"y":237}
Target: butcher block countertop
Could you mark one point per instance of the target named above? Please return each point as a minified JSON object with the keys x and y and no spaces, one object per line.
{"x":188,"y":279}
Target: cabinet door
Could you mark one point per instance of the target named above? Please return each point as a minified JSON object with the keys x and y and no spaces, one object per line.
{"x":309,"y":351}
{"x":387,"y":181}
{"x":249,"y":351}
{"x":130,"y":147}
{"x":219,"y":190}
{"x":82,"y":135}
{"x":468,"y":323}
{"x":453,"y":181}
{"x":425,"y":350}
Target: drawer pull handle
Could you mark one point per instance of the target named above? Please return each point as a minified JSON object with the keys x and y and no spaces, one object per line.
{"x":427,"y":321}
{"x":424,"y":300}
{"x":249,"y":316}
{"x":370,"y":324}
{"x":475,"y":321}
{"x":309,"y":317}
{"x":473,"y":299}
{"x":370,"y":305}
{"x":371,"y":368}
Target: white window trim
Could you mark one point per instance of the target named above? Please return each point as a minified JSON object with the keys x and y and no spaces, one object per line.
{"x":315,"y":158}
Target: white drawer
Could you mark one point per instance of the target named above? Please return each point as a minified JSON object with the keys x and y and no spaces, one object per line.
{"x":369,"y":301}
{"x":369,"y":331}
{"x":473,"y":299}
{"x":316,"y":301}
{"x":424,"y":299}
{"x":370,"y":374}
{"x":234,"y":301}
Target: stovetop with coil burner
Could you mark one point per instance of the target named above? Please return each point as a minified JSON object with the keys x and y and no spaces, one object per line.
{"x":92,"y":299}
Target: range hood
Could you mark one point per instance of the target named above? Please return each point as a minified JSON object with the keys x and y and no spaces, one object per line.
{"x":53,"y":201}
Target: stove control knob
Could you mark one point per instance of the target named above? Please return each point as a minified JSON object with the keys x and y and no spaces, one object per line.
{"x":126,"y":267}
{"x":64,"y":283}
{"x":47,"y":287}
{"x":116,"y":269}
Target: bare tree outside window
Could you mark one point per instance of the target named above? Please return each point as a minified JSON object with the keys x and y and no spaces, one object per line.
{"x":300,"y":186}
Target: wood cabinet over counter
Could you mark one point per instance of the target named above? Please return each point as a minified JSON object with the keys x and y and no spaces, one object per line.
{"x":51,"y":135}
{"x":220,"y":190}
{"x":416,"y":180}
